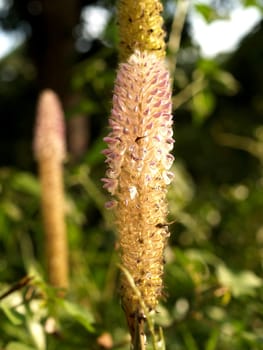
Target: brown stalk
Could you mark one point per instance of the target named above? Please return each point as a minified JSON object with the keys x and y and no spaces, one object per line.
{"x":49,"y":149}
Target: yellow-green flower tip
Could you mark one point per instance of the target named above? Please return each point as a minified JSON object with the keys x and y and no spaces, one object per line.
{"x":140,"y":27}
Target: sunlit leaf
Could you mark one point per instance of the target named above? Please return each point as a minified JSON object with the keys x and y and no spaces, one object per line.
{"x":203,"y":105}
{"x":181,"y":190}
{"x":18,"y":346}
{"x":220,"y":78}
{"x":26,"y":183}
{"x":11,"y":210}
{"x":14,"y":317}
{"x":213,"y":340}
{"x":162,"y":317}
{"x":81,"y":315}
{"x":240,"y":283}
{"x":248,"y":3}
{"x":37,"y":332}
{"x":189,"y":340}
{"x":227,"y":80}
{"x":208,"y":12}
{"x":207,"y":66}
{"x":255,"y":3}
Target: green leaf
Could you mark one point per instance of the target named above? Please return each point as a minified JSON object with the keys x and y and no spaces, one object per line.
{"x":14,"y":317}
{"x":94,"y":156}
{"x":18,"y":346}
{"x":208,"y":12}
{"x":26,"y":183}
{"x":181,"y":190}
{"x":11,"y":210}
{"x":239,"y":283}
{"x":203,"y":105}
{"x":215,"y":74}
{"x":162,"y":317}
{"x":213,"y":340}
{"x":189,"y":340}
{"x":248,"y":3}
{"x":227,"y":80}
{"x":207,"y":66}
{"x":254,"y":3}
{"x":81,"y":315}
{"x":37,"y":333}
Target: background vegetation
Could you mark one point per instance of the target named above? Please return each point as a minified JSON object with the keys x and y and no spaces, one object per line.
{"x":213,"y":281}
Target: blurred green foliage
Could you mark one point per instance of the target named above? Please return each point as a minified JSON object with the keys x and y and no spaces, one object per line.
{"x":213,"y":293}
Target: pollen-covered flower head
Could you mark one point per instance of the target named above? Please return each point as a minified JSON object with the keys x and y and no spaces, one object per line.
{"x":49,"y":137}
{"x":140,"y":27}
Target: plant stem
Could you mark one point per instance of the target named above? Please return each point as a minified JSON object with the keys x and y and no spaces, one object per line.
{"x":188,"y":92}
{"x":53,"y":207}
{"x":176,"y":34}
{"x":146,"y":313}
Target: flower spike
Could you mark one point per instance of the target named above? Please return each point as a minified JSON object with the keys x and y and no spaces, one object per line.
{"x":138,"y":158}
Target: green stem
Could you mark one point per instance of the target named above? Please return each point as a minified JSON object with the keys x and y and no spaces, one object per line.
{"x":176,"y":33}
{"x":138,"y":342}
{"x":188,"y":92}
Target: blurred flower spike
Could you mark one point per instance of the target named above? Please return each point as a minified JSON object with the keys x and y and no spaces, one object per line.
{"x":49,"y":150}
{"x":49,"y":138}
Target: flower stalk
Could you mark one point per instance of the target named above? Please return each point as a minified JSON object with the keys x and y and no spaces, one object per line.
{"x":49,"y":151}
{"x":139,"y":160}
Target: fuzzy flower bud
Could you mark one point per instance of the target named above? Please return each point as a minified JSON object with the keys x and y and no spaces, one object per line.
{"x":139,"y":159}
{"x":49,"y":138}
{"x":49,"y":150}
{"x":140,"y":27}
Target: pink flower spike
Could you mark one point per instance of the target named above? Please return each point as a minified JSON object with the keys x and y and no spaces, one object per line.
{"x":110,"y":204}
{"x":137,"y":175}
{"x":49,"y":137}
{"x":110,"y":140}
